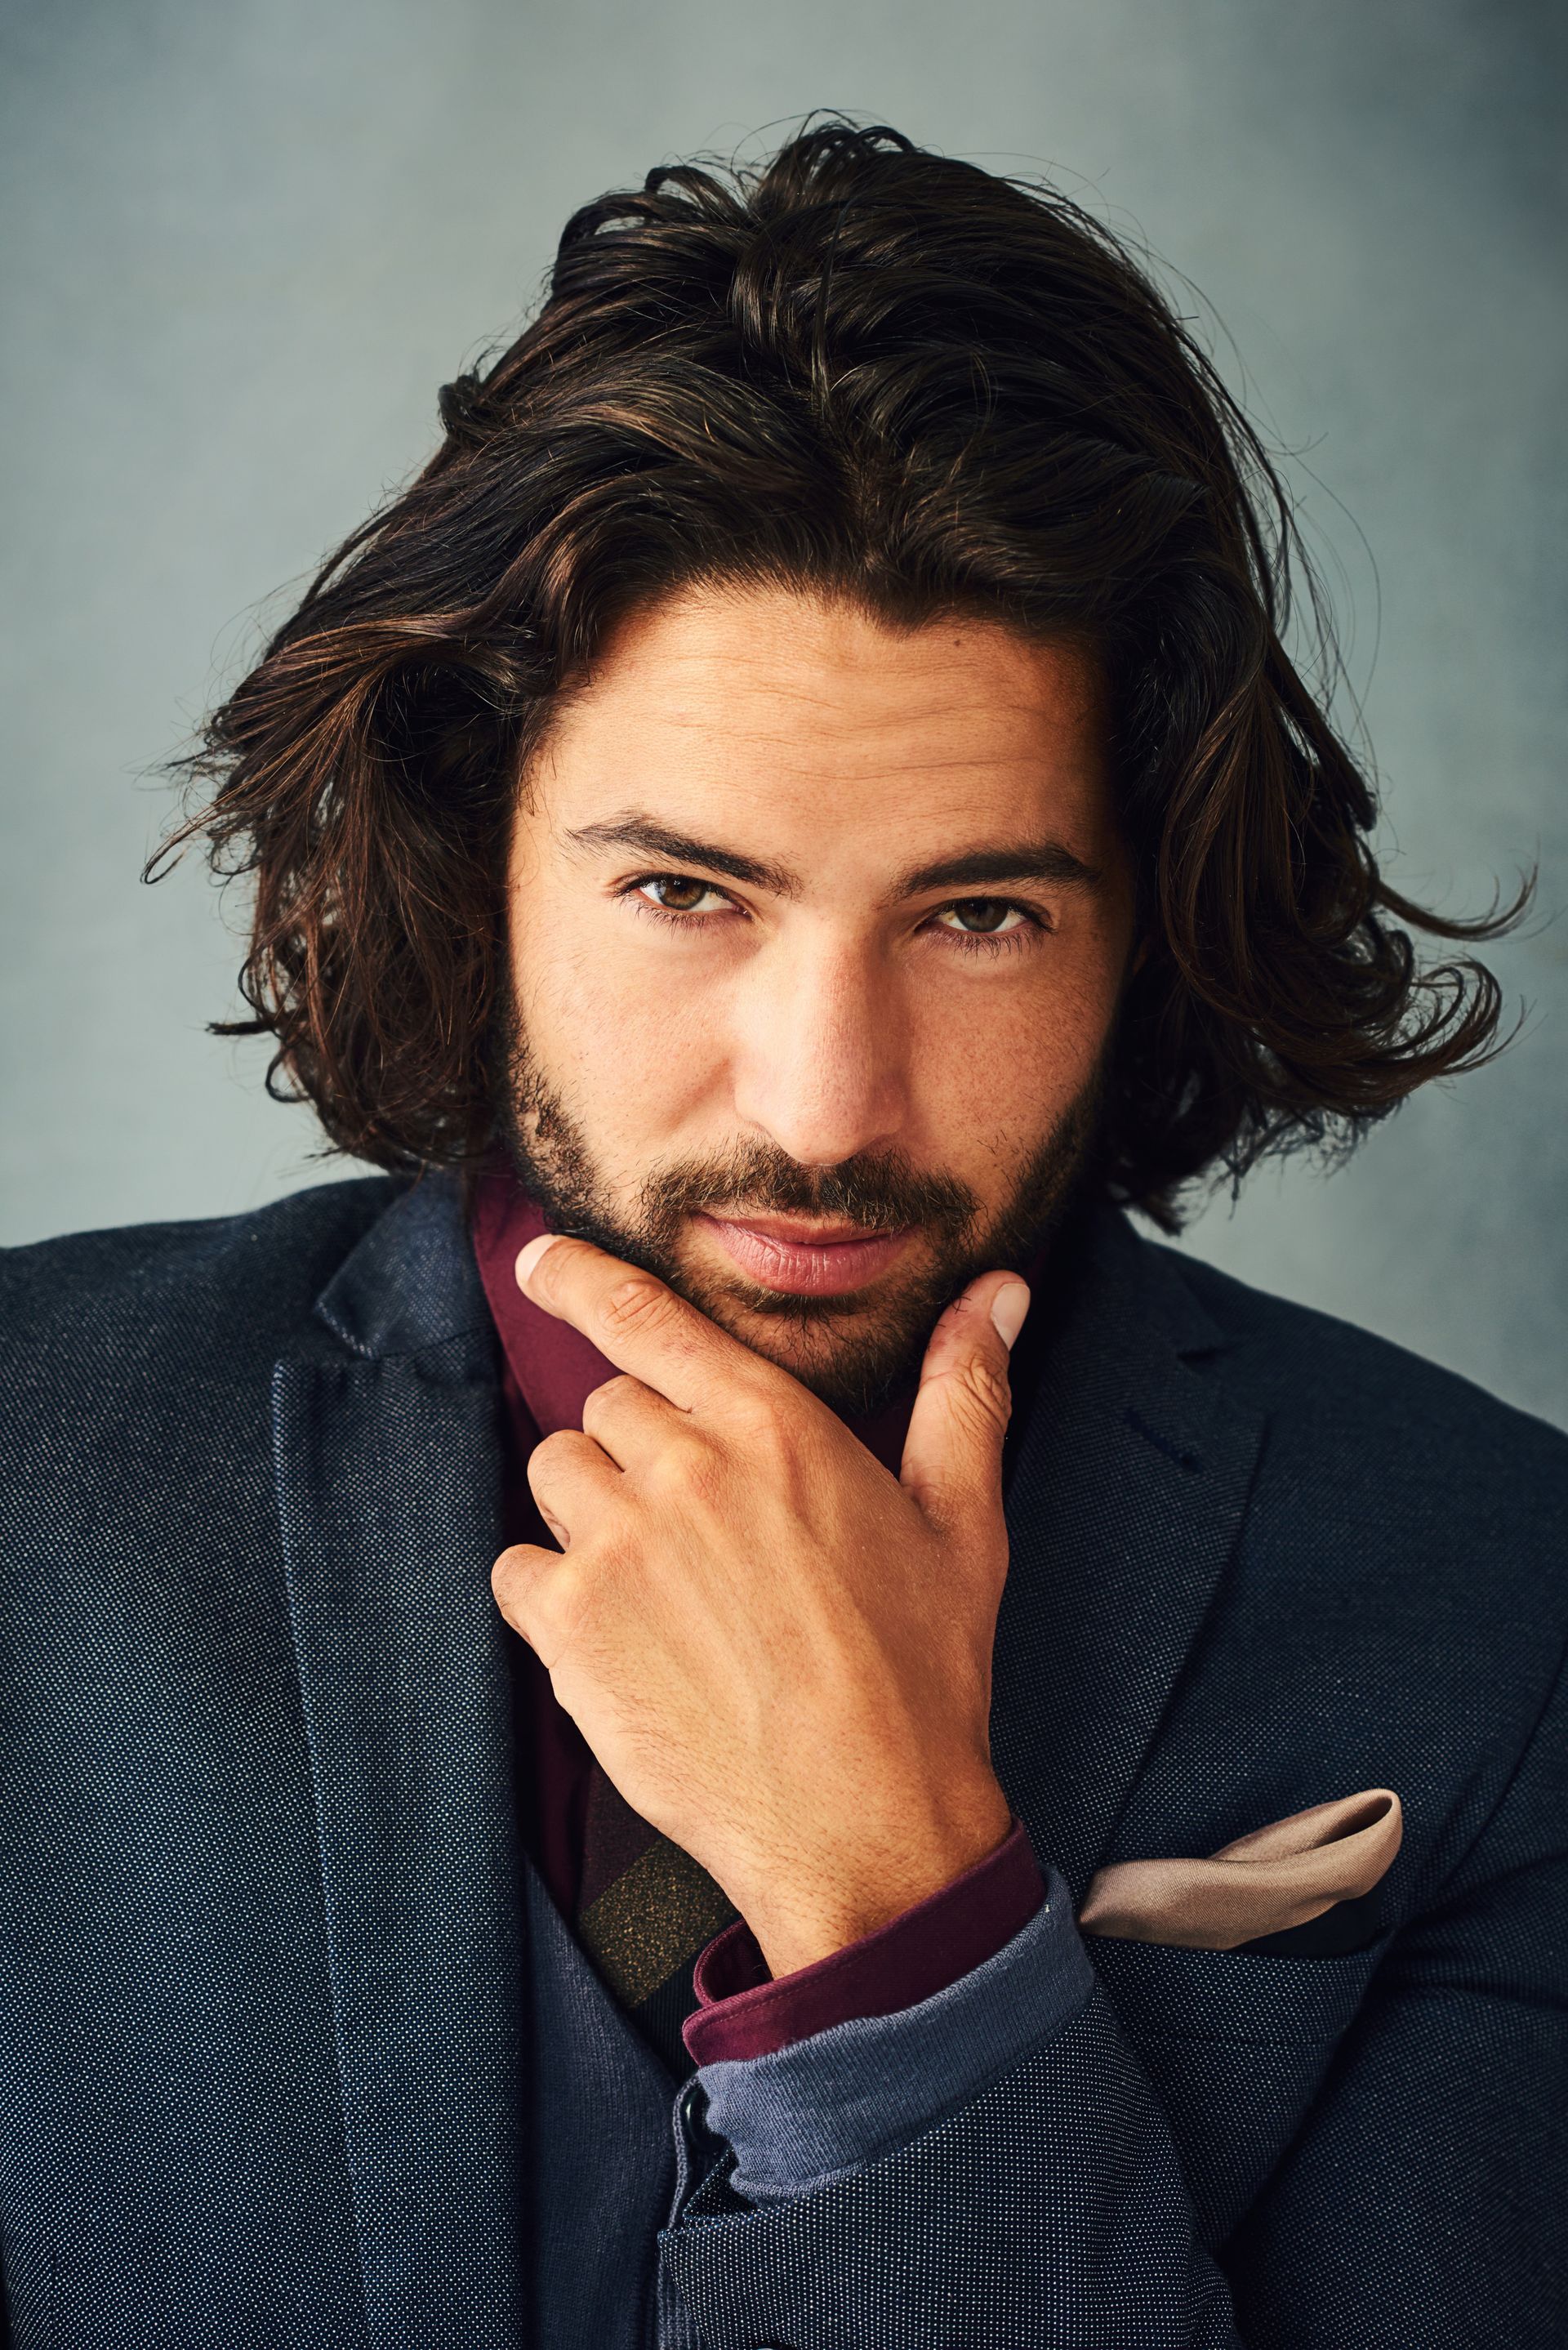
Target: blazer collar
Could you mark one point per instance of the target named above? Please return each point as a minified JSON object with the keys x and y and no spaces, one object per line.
{"x":1124,"y":1502}
{"x":389,"y":1479}
{"x":411,"y":1281}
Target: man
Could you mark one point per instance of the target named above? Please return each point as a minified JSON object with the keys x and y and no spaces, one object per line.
{"x":797,"y":819}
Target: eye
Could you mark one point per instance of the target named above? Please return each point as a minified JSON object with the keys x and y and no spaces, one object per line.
{"x":679,"y":893}
{"x":987,"y":918}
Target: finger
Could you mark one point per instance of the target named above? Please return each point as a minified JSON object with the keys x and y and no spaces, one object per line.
{"x":631,"y":1423}
{"x":535,"y":1590}
{"x":636,"y":1322}
{"x":572,"y":1479}
{"x":952,"y":1454}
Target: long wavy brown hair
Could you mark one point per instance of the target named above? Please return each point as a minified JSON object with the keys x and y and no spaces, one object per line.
{"x":865,"y":369}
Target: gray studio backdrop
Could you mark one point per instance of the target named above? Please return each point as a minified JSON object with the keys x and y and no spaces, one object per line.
{"x":245,"y":244}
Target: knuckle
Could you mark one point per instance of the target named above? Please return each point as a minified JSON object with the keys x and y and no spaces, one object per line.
{"x":638,"y":1306}
{"x":602,"y":1403}
{"x":687,"y":1465}
{"x":774,"y":1446}
{"x":521,"y":1580}
{"x":982,"y":1394}
{"x":706,"y":1481}
{"x":556,"y":1613}
{"x":514,"y":1572}
{"x":549,"y":1458}
{"x":762,"y":1420}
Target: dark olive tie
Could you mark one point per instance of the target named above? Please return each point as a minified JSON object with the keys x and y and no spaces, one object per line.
{"x":646,"y":1911}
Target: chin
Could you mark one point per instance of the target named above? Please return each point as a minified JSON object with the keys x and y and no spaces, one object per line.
{"x":852,"y":1357}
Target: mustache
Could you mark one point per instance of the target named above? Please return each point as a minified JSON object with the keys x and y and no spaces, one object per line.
{"x":851,"y":1354}
{"x":877,"y":1192}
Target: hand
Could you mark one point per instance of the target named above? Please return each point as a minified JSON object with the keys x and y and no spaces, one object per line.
{"x":780,"y":1654}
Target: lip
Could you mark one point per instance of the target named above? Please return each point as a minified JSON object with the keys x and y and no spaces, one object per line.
{"x":802,"y":1261}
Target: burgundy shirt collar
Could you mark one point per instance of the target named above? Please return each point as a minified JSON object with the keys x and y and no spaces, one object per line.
{"x":556,"y":1368}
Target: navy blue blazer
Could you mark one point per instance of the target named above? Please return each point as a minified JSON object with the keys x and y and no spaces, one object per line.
{"x":287,"y":2037}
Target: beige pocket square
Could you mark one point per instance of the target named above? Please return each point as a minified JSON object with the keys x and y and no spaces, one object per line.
{"x":1265,"y":1882}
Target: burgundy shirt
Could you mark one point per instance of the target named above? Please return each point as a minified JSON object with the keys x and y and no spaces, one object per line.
{"x":548,"y":1371}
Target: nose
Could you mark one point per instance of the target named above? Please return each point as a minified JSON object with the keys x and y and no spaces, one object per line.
{"x":819,"y":1052}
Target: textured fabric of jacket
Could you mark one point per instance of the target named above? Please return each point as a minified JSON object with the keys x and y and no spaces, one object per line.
{"x":290,"y":2053}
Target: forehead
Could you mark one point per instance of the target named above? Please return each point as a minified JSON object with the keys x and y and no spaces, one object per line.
{"x":779,"y":710}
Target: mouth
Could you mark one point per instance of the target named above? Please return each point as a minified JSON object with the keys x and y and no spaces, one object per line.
{"x":805,"y":1256}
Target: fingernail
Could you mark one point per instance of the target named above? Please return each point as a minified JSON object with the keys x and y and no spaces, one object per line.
{"x":527,"y":1258}
{"x":1008,"y":1308}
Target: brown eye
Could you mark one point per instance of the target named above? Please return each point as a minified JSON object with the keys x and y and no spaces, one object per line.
{"x":676,"y":893}
{"x":981,"y":917}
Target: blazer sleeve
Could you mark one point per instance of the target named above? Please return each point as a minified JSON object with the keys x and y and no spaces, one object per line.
{"x":1421,"y":2200}
{"x":988,"y":2167}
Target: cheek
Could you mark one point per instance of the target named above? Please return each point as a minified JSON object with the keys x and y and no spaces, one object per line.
{"x":632,"y":1055}
{"x":1001,"y":1057}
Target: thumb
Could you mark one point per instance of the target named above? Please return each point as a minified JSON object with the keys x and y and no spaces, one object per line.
{"x":952,"y":1455}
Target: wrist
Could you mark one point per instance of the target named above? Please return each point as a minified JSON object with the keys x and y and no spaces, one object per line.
{"x":800,"y":1918}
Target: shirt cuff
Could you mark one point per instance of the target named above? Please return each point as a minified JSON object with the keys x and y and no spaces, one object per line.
{"x":863,"y":2090}
{"x":743,"y":2012}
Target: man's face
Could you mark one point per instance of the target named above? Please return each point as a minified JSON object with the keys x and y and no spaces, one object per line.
{"x":816,"y":934}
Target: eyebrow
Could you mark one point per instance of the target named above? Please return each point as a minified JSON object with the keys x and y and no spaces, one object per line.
{"x":1032,"y":860}
{"x":653,"y":839}
{"x":973,"y":868}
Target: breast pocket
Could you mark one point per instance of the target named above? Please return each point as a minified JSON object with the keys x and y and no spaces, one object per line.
{"x":1236,"y":2043}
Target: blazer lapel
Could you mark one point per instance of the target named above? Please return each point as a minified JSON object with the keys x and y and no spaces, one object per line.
{"x":1124,"y":1504}
{"x":388,"y":1477}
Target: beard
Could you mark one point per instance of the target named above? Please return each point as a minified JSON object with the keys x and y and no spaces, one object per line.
{"x":856,"y":1352}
